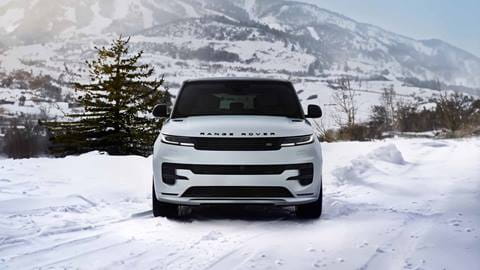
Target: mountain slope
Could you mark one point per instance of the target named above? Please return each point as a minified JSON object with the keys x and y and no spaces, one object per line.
{"x":344,"y":40}
{"x":333,"y":42}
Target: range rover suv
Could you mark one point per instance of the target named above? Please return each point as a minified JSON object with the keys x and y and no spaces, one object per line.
{"x":237,"y":141}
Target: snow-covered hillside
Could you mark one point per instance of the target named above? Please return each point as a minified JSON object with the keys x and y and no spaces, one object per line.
{"x":188,"y":39}
{"x":303,"y":37}
{"x":310,"y":91}
{"x":395,"y":204}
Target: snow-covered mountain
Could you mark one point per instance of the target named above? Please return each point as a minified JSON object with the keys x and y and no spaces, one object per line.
{"x":328,"y":41}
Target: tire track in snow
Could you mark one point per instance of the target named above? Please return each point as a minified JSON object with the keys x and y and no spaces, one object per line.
{"x":397,"y":252}
{"x":394,"y":252}
{"x":83,"y":254}
{"x":194,"y":252}
{"x":183,"y":259}
{"x":234,"y":252}
{"x":86,"y":229}
{"x":59,"y":245}
{"x":76,"y":229}
{"x":237,"y":249}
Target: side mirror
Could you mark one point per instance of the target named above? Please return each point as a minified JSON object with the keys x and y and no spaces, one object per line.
{"x":314,"y":111}
{"x":160,"y":111}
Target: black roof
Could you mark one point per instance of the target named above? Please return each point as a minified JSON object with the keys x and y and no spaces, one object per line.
{"x":236,"y":79}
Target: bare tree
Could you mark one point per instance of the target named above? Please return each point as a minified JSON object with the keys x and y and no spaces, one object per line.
{"x":344,"y":97}
{"x":388,"y":102}
{"x":322,"y":132}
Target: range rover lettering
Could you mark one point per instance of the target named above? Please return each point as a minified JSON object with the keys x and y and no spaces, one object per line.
{"x":237,"y":141}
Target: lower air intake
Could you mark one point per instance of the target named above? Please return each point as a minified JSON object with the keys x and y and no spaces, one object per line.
{"x":237,"y":192}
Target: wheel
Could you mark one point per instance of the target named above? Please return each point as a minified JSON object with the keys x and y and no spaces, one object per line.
{"x":310,"y":210}
{"x":162,"y":209}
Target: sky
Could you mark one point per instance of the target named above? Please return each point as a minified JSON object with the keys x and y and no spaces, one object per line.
{"x":454,"y":21}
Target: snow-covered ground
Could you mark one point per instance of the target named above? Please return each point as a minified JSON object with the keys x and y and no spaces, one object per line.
{"x":394,"y":204}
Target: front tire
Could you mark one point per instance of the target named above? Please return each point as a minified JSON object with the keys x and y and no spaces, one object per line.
{"x":310,"y":210}
{"x":162,"y":209}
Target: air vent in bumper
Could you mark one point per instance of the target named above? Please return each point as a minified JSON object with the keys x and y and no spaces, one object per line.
{"x":237,"y":192}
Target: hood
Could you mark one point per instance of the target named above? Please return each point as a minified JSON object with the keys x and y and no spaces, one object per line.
{"x":237,"y":126}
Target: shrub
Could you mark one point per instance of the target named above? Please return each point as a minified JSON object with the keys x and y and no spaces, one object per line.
{"x":328,"y":136}
{"x":356,"y":132}
{"x":25,"y":140}
{"x":455,"y":110}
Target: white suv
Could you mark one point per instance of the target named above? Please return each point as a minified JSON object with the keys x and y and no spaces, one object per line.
{"x":237,"y":141}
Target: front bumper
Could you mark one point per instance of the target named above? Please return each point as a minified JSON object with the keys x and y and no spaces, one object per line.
{"x":180,"y":191}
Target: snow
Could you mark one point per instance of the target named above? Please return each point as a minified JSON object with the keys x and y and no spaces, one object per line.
{"x":99,"y":23}
{"x":148,"y":20}
{"x":123,"y":8}
{"x":70,"y":15}
{"x":394,"y":204}
{"x":388,"y":153}
{"x":189,"y":10}
{"x":12,"y":59}
{"x":11,"y":18}
{"x":273,"y":23}
{"x":250,"y":8}
{"x":33,"y":3}
{"x":4,"y":3}
{"x":313,"y":33}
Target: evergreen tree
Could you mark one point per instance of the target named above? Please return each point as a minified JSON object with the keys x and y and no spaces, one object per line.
{"x":117,"y":103}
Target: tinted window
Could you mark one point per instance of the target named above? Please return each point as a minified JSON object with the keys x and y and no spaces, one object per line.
{"x":238,"y":98}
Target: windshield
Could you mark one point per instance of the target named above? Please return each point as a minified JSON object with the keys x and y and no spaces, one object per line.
{"x":238,"y":98}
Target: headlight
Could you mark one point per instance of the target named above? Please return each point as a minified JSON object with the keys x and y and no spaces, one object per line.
{"x":279,"y":142}
{"x":294,"y":141}
{"x":177,"y":140}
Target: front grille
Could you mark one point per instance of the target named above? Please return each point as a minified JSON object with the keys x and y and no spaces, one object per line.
{"x":237,"y":192}
{"x":237,"y":144}
{"x":240,"y":169}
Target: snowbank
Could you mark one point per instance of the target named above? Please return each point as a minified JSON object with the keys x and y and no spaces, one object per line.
{"x":395,"y":204}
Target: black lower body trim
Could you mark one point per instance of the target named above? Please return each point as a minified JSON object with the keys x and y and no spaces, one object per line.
{"x":237,"y":192}
{"x":169,"y":194}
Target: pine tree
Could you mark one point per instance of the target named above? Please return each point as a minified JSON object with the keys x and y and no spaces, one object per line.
{"x":117,"y":103}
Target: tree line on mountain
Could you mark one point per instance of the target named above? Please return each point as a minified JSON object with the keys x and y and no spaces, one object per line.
{"x":20,"y":79}
{"x":437,"y":85}
{"x":205,"y":53}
